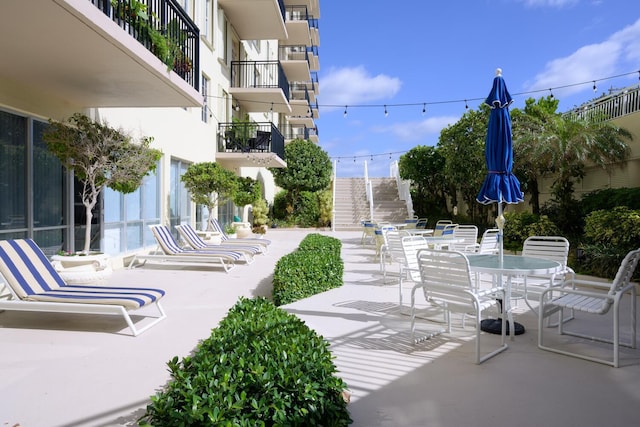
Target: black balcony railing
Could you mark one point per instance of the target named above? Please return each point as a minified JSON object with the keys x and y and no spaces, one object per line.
{"x":259,"y":75}
{"x":250,"y":137}
{"x":612,"y":106}
{"x":164,"y":28}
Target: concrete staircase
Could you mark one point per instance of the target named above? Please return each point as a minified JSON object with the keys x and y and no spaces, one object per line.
{"x":351,"y":205}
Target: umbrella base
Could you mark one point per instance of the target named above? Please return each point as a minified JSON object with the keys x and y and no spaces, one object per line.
{"x":494,"y":326}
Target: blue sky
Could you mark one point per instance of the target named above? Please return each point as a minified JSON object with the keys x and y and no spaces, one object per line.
{"x":441,"y":53}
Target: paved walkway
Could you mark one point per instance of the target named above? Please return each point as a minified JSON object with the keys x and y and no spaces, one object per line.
{"x":74,"y":370}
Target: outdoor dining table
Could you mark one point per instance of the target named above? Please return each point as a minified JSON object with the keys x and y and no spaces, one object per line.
{"x":419,"y":231}
{"x":509,"y":266}
{"x":438,"y":242}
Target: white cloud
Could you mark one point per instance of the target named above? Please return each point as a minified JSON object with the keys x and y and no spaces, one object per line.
{"x":549,"y":3}
{"x":619,"y":53}
{"x":415,"y":131}
{"x":353,"y":86}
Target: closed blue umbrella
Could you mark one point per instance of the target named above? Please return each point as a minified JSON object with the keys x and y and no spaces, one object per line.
{"x":500,"y":185}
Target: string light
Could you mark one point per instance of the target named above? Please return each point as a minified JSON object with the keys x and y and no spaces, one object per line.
{"x":367,"y":156}
{"x":466,"y":106}
{"x":595,"y":89}
{"x":345,"y":112}
{"x":386,"y":113}
{"x":451,"y":101}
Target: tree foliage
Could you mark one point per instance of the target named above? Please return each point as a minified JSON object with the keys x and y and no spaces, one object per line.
{"x":424,"y":167}
{"x":248,"y":191}
{"x":100,"y":156}
{"x":462,"y":146}
{"x":209,"y":184}
{"x":308,"y":168}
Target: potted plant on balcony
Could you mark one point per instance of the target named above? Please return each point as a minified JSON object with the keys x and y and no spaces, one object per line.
{"x":100,"y":156}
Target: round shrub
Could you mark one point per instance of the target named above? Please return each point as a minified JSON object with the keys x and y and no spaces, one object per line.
{"x":261,"y":367}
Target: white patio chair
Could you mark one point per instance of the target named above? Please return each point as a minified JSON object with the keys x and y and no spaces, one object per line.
{"x":489,"y":243}
{"x":445,"y":279}
{"x":469,"y":236}
{"x":555,"y":248}
{"x":409,"y":268}
{"x":591,"y":297}
{"x":440,"y":226}
{"x":392,"y":250}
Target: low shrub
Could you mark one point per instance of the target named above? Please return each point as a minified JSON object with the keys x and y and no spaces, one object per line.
{"x":261,"y":367}
{"x":608,"y":236}
{"x":314,"y":267}
{"x":520,"y":225}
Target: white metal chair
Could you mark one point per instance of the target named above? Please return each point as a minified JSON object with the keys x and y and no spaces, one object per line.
{"x":445,"y":279}
{"x":392,"y":250}
{"x":440,"y":226}
{"x":591,"y":297}
{"x":555,"y":248}
{"x":469,"y":236}
{"x":409,"y":268}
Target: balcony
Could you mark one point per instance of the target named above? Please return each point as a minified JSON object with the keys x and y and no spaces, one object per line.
{"x":260,"y":86}
{"x":300,"y":132}
{"x":295,"y":62}
{"x":72,"y":51}
{"x":613,"y":106}
{"x":297,"y":19}
{"x":250,"y":144}
{"x":256,"y":19}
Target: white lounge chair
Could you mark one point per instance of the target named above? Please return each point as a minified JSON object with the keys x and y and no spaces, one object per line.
{"x":190,"y":236}
{"x":169,"y":252}
{"x":34,"y":285}
{"x":229,"y":241}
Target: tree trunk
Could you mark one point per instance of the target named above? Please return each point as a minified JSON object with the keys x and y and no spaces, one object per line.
{"x":87,"y":231}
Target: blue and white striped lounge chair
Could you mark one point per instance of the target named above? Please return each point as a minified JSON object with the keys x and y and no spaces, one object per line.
{"x":229,"y":241}
{"x":190,"y":236}
{"x":34,"y":285}
{"x":170,"y":253}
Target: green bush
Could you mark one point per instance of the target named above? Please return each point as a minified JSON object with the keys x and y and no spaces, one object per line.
{"x":609,"y":199}
{"x":280,"y":206}
{"x":313,"y":268}
{"x":520,"y":225}
{"x":609,"y":235}
{"x":307,"y":212}
{"x":260,"y":367}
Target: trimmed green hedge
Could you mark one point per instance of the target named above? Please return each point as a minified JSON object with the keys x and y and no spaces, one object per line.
{"x":261,"y":367}
{"x":313,"y":268}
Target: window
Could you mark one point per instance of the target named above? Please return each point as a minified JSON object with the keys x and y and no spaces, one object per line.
{"x":32,"y":184}
{"x":179,"y":200}
{"x":127,"y":216}
{"x":206,"y":111}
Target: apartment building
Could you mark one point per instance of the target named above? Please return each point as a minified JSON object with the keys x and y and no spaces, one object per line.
{"x":238,"y":83}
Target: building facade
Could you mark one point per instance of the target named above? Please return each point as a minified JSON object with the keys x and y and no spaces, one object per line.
{"x":210,"y":80}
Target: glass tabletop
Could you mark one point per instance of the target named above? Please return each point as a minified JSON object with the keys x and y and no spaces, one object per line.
{"x":512,"y":264}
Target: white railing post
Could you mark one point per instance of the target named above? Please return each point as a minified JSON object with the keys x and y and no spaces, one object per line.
{"x":368,"y":190}
{"x":333,"y":210}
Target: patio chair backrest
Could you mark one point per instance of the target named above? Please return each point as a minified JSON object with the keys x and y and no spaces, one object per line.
{"x":393,"y":243}
{"x":26,"y":268}
{"x":218,"y":228}
{"x":555,"y":248}
{"x":411,"y":245}
{"x":189,"y":234}
{"x":469,"y":234}
{"x":489,"y":244}
{"x":446,"y":278}
{"x":448,"y":229}
{"x":165,"y":239}
{"x":440,"y":225}
{"x":625,"y":273}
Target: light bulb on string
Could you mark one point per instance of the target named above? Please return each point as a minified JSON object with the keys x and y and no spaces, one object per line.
{"x":595,"y":88}
{"x":345,"y":111}
{"x":424,"y":108}
{"x":386,"y":113}
{"x":551,"y":93}
{"x":466,"y":106}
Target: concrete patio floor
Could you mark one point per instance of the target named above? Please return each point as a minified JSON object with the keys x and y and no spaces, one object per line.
{"x":76,"y":370}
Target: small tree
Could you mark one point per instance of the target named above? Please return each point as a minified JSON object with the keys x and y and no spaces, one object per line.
{"x":100,"y":157}
{"x":210,"y":184}
{"x":248,"y":192}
